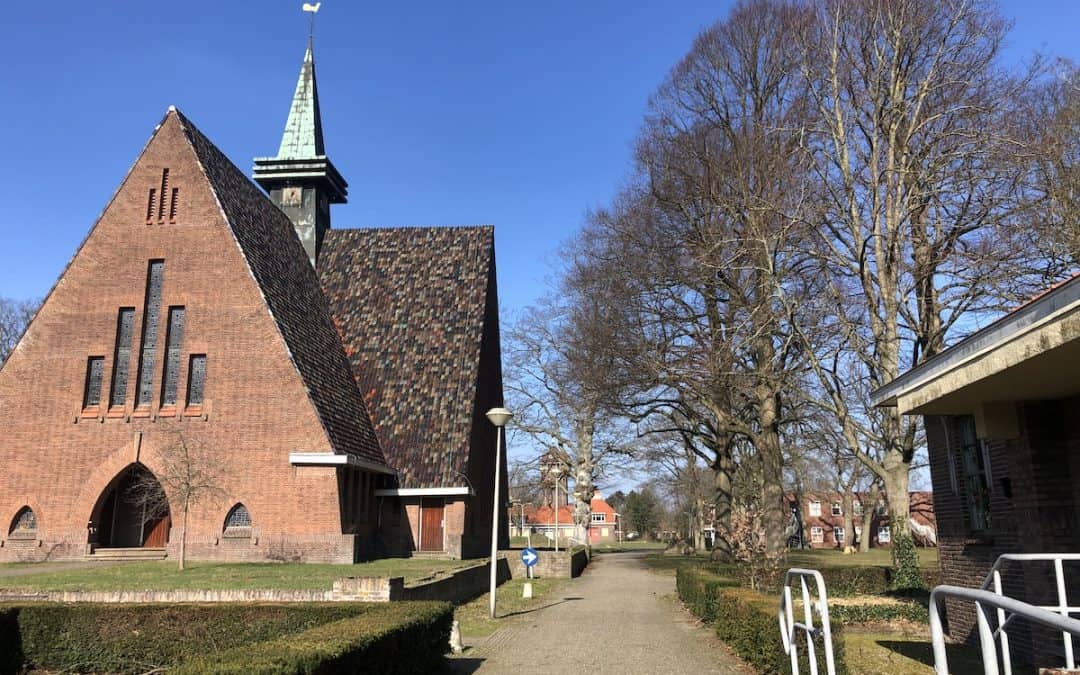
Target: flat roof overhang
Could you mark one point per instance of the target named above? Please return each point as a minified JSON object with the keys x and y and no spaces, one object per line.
{"x":1033,"y":353}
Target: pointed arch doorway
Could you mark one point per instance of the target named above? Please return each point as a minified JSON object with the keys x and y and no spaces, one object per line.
{"x":132,"y":511}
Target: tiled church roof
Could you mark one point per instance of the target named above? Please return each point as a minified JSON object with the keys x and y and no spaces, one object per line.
{"x":409,"y":304}
{"x":288,"y":283}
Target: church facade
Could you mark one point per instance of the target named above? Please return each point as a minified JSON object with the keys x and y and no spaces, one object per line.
{"x":218,"y":361}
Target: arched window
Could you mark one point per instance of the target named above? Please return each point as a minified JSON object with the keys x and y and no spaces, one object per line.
{"x":25,"y":524}
{"x":238,"y":522}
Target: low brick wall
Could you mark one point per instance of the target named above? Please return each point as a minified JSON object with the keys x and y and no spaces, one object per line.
{"x":551,"y":564}
{"x":458,"y":587}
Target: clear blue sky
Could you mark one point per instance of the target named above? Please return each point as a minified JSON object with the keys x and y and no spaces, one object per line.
{"x":520,"y":115}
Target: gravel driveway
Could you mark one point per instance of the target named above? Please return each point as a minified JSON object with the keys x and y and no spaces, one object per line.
{"x":618,"y":617}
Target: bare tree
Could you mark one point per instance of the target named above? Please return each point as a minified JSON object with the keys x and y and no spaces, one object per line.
{"x":188,"y":474}
{"x":924,"y":206}
{"x":15,"y":316}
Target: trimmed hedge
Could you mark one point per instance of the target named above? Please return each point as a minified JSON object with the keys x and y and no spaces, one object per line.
{"x":137,"y":638}
{"x":414,"y":642}
{"x":915,"y":612}
{"x":747,"y":621}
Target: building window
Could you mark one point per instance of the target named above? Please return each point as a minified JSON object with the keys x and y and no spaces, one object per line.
{"x":815,"y":508}
{"x":238,"y":522}
{"x":838,"y":534}
{"x":858,"y":531}
{"x":196,"y":379}
{"x":125,"y":324}
{"x":95,"y":369}
{"x":837,"y":509}
{"x":24,"y":526}
{"x":975,"y":484}
{"x":599,"y":518}
{"x":151,"y":309}
{"x":174,"y":338}
{"x":856,"y":508}
{"x":883,"y":535}
{"x":882,"y":509}
{"x":817,"y":535}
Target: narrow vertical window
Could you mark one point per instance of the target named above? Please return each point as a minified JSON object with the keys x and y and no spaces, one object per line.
{"x":125,"y":324}
{"x":164,"y":191}
{"x":196,"y":379}
{"x":151,"y":310}
{"x":174,"y":338}
{"x":976,"y":486}
{"x":95,"y":367}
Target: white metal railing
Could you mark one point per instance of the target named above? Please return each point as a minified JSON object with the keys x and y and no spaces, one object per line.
{"x":1002,"y":603}
{"x":789,"y":627}
{"x":993,"y":583}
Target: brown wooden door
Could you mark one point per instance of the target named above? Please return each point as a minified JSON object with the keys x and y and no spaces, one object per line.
{"x":431,"y":524}
{"x":158,"y":534}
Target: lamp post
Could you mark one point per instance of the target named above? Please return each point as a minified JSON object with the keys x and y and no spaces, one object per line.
{"x":499,"y":417}
{"x":557,"y":472}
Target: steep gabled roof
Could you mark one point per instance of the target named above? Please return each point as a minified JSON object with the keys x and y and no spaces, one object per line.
{"x":410,"y":305}
{"x":288,"y":283}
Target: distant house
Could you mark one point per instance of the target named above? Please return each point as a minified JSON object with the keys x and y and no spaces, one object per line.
{"x":817,"y":520}
{"x":1002,"y":415}
{"x":604,"y":523}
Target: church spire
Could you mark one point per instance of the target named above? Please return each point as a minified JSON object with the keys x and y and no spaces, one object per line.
{"x":301,"y":180}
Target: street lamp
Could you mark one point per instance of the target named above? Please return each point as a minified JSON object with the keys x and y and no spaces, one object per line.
{"x":557,"y":472}
{"x":499,"y":417}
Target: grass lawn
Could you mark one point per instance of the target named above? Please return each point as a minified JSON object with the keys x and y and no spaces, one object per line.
{"x":163,"y":575}
{"x":899,"y":653}
{"x":508,"y":604}
{"x":928,"y":558}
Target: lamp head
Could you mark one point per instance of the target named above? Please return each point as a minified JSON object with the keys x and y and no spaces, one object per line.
{"x":499,"y":416}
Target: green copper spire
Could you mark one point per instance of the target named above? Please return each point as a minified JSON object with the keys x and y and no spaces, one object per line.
{"x":303,"y":137}
{"x":301,"y":180}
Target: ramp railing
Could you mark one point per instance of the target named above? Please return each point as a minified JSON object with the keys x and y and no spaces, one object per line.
{"x":789,"y":628}
{"x":983,"y":600}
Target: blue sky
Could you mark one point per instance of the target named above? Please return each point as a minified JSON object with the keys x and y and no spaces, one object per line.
{"x":520,"y":115}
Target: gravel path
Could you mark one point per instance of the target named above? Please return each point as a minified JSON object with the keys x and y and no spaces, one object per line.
{"x":617,"y":618}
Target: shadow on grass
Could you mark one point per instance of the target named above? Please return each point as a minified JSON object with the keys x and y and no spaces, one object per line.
{"x":962,"y":658}
{"x":536,"y":609}
{"x":462,"y":665}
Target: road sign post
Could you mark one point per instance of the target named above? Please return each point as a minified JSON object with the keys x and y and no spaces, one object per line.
{"x":529,"y":558}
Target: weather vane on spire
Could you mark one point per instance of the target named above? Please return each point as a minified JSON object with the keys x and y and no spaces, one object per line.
{"x":311,"y":9}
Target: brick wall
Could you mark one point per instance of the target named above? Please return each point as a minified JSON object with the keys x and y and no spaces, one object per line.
{"x":60,"y":460}
{"x":1033,"y":509}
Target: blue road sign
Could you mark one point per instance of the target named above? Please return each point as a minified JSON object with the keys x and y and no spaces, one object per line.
{"x":529,"y":557}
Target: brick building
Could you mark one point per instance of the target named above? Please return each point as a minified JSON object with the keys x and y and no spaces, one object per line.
{"x":817,"y":520}
{"x":604,"y":523}
{"x":1002,"y":415}
{"x":333,"y":381}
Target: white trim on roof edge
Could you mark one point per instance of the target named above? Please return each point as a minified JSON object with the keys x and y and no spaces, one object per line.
{"x":333,"y":459}
{"x":424,"y":492}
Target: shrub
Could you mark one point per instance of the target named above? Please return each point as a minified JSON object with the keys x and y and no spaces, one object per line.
{"x":88,"y":637}
{"x":903,"y":611}
{"x":746,"y":620}
{"x":413,"y":642}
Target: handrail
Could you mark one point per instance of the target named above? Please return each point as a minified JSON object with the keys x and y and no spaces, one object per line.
{"x":788,"y":625}
{"x":993,"y":582}
{"x":983,"y":597}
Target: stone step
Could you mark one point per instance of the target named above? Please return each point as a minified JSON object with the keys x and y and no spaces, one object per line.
{"x":127,"y":554}
{"x":429,"y":554}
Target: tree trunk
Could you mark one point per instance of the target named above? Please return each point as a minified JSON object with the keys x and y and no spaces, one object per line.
{"x":772,"y":477}
{"x":183,"y":537}
{"x":869,"y":505}
{"x":849,"y":522}
{"x":722,"y":467}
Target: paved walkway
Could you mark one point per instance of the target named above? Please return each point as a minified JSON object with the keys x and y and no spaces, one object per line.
{"x":618,"y":617}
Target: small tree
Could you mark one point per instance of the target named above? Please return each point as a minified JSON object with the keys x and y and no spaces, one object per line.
{"x":189,"y":473}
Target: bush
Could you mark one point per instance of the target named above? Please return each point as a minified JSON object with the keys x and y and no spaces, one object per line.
{"x":746,"y":620}
{"x":902,"y":611}
{"x":136,"y":638}
{"x":414,"y":641}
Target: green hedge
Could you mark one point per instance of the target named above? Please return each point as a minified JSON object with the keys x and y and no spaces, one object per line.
{"x":88,"y":637}
{"x":746,"y":620}
{"x":414,"y":642}
{"x":916,"y":612}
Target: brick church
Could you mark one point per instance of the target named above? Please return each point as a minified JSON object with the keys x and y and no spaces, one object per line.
{"x":325,"y":387}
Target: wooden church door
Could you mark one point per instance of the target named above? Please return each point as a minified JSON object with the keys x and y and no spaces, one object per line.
{"x":432,"y":513}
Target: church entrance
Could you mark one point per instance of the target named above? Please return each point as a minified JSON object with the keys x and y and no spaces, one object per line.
{"x":132,"y":512}
{"x":432,"y":519}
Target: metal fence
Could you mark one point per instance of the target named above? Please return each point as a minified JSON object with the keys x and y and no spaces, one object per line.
{"x":789,"y":628}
